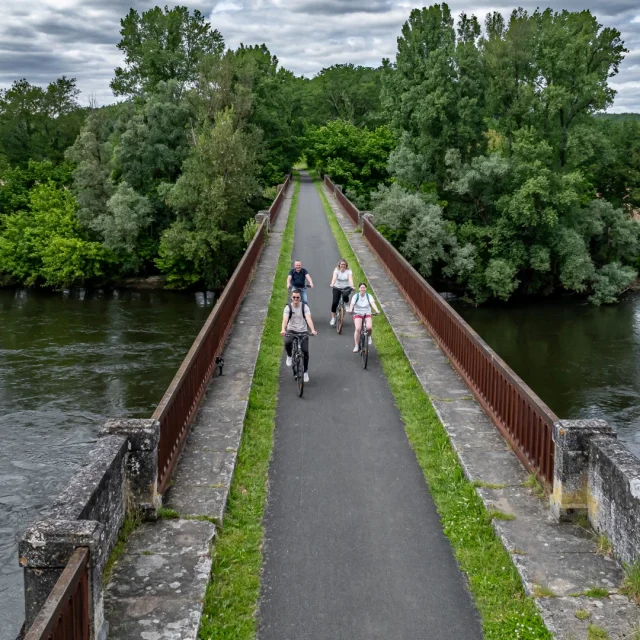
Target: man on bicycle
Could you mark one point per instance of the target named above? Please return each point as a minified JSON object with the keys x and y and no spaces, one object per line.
{"x":298,"y":278}
{"x":296,"y":319}
{"x":360,"y":306}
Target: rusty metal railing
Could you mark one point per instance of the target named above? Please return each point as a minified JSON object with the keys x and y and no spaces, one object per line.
{"x":178,"y":407}
{"x":65,"y":614}
{"x":518,"y":413}
{"x":347,"y":205}
{"x":277,"y":203}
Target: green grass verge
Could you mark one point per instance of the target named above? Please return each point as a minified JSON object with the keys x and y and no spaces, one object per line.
{"x":234,"y":589}
{"x":506,"y":612}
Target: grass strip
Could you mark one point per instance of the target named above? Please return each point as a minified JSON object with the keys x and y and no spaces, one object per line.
{"x":506,"y":612}
{"x":232,"y":595}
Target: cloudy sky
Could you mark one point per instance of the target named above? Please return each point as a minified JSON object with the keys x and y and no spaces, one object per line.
{"x":43,"y":39}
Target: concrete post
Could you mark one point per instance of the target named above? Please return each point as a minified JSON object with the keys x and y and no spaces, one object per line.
{"x":571,"y":464}
{"x":142,"y":463}
{"x":364,"y":214}
{"x":45,"y":549}
{"x":263,"y":215}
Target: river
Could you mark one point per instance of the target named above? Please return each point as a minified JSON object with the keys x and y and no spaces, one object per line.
{"x":68,"y":361}
{"x":583,"y":361}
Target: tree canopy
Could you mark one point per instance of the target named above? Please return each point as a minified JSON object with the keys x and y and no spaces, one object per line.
{"x":483,"y":149}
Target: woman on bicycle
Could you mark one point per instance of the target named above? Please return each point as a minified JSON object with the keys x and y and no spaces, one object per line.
{"x":361,"y":305}
{"x":342,"y":285}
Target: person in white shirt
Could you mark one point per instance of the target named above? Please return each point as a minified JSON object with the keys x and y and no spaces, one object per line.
{"x":342,"y":285}
{"x":361,"y":305}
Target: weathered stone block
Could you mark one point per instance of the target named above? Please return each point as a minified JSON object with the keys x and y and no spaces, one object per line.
{"x":45,"y":550}
{"x":614,"y":496}
{"x":263,"y":216}
{"x":571,"y":464}
{"x":143,"y":436}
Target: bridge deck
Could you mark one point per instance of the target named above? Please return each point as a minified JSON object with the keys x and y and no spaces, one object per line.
{"x":354,"y":547}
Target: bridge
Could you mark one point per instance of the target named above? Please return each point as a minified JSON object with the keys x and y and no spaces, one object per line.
{"x":354,"y":532}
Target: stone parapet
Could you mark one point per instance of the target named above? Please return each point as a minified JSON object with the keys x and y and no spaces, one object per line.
{"x":571,"y":464}
{"x":119,"y":478}
{"x":143,"y":436}
{"x":613,"y":496}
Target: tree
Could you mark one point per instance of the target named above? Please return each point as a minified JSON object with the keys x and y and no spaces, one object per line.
{"x":163,"y":45}
{"x":345,"y":92}
{"x":212,"y":202}
{"x":44,"y":245}
{"x":355,"y":158}
{"x":39,"y":124}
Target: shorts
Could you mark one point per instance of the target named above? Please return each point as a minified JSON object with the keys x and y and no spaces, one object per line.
{"x":359,"y":315}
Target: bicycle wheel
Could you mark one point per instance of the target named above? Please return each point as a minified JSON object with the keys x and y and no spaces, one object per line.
{"x":300,"y":370}
{"x":340,"y":318}
{"x":364,"y":349}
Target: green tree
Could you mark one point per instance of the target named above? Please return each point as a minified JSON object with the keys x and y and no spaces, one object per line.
{"x":162,"y":45}
{"x":44,"y":244}
{"x":355,"y":158}
{"x":39,"y":124}
{"x":212,"y":202}
{"x":345,"y":92}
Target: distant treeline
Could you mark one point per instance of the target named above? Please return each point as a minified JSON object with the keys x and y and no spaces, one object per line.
{"x":484,"y":151}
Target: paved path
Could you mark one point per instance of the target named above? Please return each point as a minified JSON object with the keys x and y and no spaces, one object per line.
{"x":354,"y":548}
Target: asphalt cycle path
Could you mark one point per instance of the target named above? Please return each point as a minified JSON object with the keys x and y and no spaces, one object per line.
{"x":354,"y":549}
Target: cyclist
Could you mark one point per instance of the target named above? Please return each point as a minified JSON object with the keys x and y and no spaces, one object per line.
{"x":342,"y":284}
{"x":298,"y":278}
{"x":360,"y":306}
{"x":297,"y":319}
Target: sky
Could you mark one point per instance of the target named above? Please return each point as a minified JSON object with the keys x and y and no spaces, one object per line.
{"x":41,"y":40}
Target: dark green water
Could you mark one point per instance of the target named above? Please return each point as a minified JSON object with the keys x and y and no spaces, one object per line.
{"x":583,"y":361}
{"x":68,"y":362}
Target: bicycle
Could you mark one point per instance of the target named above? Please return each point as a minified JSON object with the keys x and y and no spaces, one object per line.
{"x":363,"y":345}
{"x":297,"y":359}
{"x":340,"y":311}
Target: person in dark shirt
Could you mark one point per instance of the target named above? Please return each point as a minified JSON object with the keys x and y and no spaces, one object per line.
{"x":298,"y":278}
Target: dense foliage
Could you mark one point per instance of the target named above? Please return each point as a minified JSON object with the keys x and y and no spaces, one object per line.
{"x":501,"y":176}
{"x":164,"y":181}
{"x":493,"y":131}
{"x":484,"y":152}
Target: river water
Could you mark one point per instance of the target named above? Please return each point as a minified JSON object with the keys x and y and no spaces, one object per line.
{"x":583,"y":361}
{"x":68,"y":362}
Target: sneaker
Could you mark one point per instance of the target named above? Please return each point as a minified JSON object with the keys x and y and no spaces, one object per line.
{"x":333,"y":322}
{"x":370,"y":342}
{"x":289,"y":361}
{"x":355,"y":349}
{"x":306,"y":377}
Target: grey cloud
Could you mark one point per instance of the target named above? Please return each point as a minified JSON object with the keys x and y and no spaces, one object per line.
{"x":333,"y":7}
{"x":306,"y":35}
